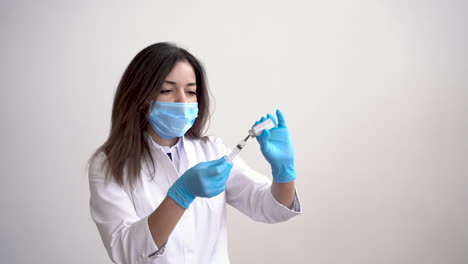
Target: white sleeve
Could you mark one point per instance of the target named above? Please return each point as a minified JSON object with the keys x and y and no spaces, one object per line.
{"x":250,"y":192}
{"x":126,"y":237}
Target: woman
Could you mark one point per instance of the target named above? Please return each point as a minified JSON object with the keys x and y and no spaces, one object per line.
{"x":158,"y":187}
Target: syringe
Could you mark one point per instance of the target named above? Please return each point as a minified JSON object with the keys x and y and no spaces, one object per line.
{"x":255,"y":131}
{"x":237,"y":149}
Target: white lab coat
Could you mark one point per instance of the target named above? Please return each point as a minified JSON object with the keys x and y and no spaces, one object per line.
{"x":121,"y":214}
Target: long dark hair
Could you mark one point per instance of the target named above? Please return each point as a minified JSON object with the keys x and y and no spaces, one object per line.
{"x":126,"y":147}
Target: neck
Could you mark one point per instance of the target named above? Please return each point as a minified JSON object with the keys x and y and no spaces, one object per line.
{"x":161,"y":141}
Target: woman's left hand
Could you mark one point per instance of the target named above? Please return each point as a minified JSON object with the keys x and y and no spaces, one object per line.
{"x":277,"y":148}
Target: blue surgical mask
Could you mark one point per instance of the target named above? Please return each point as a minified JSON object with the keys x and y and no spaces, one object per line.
{"x":171,"y":120}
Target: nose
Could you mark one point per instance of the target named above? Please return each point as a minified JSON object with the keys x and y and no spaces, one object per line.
{"x":181,"y":97}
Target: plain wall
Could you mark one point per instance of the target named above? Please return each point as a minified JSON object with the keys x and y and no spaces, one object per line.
{"x":374,"y":93}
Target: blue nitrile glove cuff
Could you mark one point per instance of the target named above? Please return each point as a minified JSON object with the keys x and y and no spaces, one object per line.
{"x":178,"y":193}
{"x":283,"y":173}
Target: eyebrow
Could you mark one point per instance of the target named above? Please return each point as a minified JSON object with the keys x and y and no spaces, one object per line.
{"x":174,"y":83}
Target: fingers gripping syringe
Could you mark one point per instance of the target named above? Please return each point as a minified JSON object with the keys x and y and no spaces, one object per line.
{"x":255,"y":131}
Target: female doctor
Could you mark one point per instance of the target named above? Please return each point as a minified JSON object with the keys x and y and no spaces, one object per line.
{"x":159,"y":188}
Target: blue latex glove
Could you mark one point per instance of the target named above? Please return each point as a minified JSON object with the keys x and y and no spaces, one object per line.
{"x":277,"y":148}
{"x":206,"y":179}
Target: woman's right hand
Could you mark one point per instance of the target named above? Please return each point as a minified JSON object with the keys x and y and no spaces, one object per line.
{"x":206,"y":179}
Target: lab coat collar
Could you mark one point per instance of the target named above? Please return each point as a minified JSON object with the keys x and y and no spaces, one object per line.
{"x":166,"y":149}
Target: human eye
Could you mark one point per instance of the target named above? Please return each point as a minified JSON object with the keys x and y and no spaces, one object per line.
{"x":192,"y":92}
{"x":165,"y":91}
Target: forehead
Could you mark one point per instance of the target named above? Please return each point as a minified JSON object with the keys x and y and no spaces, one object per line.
{"x":181,"y":71}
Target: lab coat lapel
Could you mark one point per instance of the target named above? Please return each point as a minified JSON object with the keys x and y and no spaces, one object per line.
{"x":187,"y":155}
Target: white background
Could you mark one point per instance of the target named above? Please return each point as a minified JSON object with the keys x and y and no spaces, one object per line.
{"x":374,"y":92}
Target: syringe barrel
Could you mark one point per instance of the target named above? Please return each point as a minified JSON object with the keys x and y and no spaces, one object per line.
{"x":258,"y":129}
{"x":232,"y":155}
{"x":235,"y":151}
